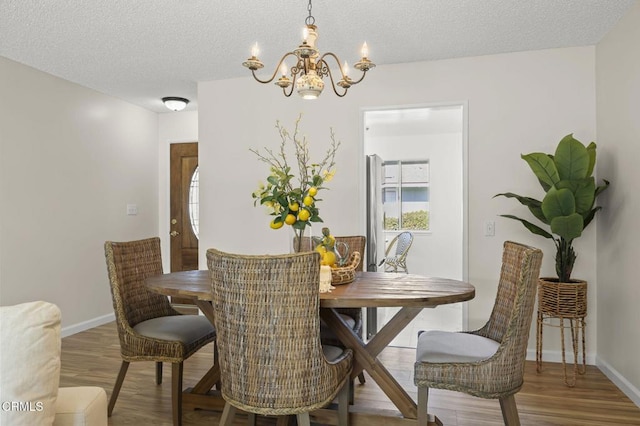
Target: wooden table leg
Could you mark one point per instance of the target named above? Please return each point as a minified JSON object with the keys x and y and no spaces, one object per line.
{"x":366,"y":356}
{"x":202,"y":395}
{"x":207,"y":309}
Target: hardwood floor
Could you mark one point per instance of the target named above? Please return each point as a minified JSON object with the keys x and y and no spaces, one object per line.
{"x":92,"y":358}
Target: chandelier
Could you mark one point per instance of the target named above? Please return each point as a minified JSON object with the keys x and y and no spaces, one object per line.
{"x":310,"y":67}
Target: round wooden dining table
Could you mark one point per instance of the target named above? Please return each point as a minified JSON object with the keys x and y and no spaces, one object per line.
{"x":409,"y":292}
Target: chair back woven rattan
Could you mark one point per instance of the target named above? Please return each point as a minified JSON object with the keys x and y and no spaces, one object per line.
{"x":354,"y":243}
{"x":501,"y":375}
{"x":267,"y":319}
{"x":128,"y":265}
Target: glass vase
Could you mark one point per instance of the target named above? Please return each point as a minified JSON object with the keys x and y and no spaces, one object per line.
{"x":301,"y":240}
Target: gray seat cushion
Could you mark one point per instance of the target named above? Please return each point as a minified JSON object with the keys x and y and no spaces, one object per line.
{"x":346,"y":318}
{"x":183,"y":328}
{"x":443,"y":347}
{"x":331,"y":353}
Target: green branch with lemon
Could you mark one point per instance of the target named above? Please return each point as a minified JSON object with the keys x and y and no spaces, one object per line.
{"x":290,"y":199}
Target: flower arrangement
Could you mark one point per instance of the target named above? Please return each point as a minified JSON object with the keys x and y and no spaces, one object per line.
{"x":292,"y":199}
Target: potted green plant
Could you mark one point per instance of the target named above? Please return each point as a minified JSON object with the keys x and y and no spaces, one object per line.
{"x":568,"y":206}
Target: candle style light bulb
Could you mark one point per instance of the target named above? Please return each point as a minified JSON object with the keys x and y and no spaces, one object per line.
{"x":345,"y":69}
{"x":255,"y":50}
{"x":305,"y":34}
{"x":283,"y":69}
{"x":365,"y":50}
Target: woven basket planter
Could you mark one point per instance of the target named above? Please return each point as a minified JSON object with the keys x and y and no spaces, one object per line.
{"x":566,"y":300}
{"x":346,"y":274}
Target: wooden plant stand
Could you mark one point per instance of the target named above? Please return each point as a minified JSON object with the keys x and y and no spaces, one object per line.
{"x":563,"y":301}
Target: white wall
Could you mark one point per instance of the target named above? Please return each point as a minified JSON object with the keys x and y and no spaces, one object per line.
{"x":518,"y":103}
{"x":618,"y":103}
{"x":71,"y":160}
{"x":173,"y":127}
{"x":436,"y":252}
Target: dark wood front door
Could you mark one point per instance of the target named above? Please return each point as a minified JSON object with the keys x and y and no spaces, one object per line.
{"x":183,"y":200}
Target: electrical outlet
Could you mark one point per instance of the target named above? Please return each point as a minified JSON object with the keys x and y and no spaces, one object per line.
{"x":489,"y":228}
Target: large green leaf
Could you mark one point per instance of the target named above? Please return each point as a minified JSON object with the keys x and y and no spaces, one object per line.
{"x":543,"y":167}
{"x":585,"y":195}
{"x":591,"y":149}
{"x":533,"y":205}
{"x":583,"y":191}
{"x":571,"y":159}
{"x":557,"y":203}
{"x":530,"y":226}
{"x":568,"y":227}
{"x":590,"y":215}
{"x":299,"y":225}
{"x":602,"y":188}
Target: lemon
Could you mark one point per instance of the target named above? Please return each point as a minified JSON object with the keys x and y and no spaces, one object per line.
{"x":307,"y":201}
{"x":290,"y":219}
{"x":276,"y":225}
{"x":329,"y":258}
{"x":313,"y":191}
{"x":304,"y":215}
{"x":321,"y":249}
{"x":294,"y":207}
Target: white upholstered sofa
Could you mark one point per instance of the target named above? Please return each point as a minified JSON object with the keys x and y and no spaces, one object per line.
{"x":30,"y":373}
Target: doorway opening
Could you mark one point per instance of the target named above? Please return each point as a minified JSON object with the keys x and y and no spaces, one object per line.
{"x":417,"y":183}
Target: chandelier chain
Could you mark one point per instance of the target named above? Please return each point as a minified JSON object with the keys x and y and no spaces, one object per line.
{"x":310,"y":20}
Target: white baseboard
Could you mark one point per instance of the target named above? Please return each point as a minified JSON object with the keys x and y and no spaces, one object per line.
{"x":623,"y":384}
{"x":86,"y":325}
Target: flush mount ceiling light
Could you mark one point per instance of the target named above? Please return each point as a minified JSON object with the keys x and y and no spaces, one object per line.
{"x":175,"y":103}
{"x":310,"y":67}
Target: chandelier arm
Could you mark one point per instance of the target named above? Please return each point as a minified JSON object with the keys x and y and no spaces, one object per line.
{"x":294,"y":74}
{"x":358,"y":80}
{"x":333,"y":55}
{"x":288,"y":94}
{"x":273,"y":76}
{"x":333,"y":84}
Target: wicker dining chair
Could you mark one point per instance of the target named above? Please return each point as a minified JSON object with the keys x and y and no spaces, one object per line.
{"x":267,"y":318}
{"x":148,"y":327}
{"x":352,"y":316}
{"x":355,"y":243}
{"x":489,"y":362}
{"x":398,"y":261}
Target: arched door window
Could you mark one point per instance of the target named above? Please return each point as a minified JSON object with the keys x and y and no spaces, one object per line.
{"x":194,"y":197}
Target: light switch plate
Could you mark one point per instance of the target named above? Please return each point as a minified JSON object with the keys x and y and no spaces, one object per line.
{"x":132,"y":209}
{"x":489,"y":228}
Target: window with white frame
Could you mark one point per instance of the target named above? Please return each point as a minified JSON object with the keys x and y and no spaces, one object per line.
{"x":405,"y":195}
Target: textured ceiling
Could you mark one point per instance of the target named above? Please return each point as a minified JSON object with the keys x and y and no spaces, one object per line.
{"x":142,"y":50}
